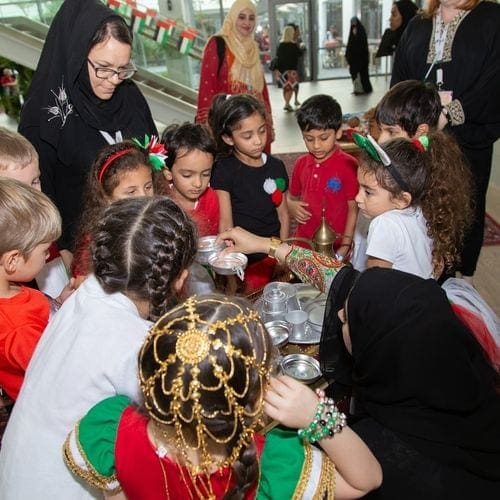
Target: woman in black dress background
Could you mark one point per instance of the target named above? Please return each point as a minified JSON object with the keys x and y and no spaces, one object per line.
{"x":358,"y":57}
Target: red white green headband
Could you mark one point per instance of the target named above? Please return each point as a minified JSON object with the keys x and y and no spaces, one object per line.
{"x":156,"y":151}
{"x":157,"y":154}
{"x":375,"y":151}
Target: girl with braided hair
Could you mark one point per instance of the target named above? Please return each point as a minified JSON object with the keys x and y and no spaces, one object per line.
{"x":121,"y":170}
{"x":205,"y":375}
{"x":141,"y":249}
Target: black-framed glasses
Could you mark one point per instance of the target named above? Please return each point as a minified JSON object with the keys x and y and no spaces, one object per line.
{"x":105,"y":73}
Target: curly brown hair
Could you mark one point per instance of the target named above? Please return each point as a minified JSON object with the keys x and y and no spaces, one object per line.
{"x":447,"y":201}
{"x":439,"y":181}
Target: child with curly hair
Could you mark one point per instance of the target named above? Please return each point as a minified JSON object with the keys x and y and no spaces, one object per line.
{"x":205,"y":375}
{"x":418,"y":209}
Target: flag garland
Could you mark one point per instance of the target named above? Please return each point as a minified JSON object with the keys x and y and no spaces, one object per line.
{"x":138,"y":22}
{"x":150,"y":16}
{"x":114,"y":5}
{"x":127,"y":7}
{"x":186,"y":40}
{"x":164,"y":30}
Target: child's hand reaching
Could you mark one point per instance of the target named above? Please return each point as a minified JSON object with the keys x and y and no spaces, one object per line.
{"x":290,"y":402}
{"x":298,"y":210}
{"x":67,"y":290}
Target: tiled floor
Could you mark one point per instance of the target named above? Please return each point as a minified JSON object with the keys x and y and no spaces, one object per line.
{"x":288,"y":136}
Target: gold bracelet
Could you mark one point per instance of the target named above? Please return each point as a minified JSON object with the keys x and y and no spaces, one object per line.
{"x":275,"y":242}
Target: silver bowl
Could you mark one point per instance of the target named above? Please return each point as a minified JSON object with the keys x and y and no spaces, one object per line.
{"x":278,"y":331}
{"x":229,"y":263}
{"x":208,"y":246}
{"x":301,"y":367}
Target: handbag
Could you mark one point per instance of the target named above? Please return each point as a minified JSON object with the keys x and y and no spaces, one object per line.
{"x":273,"y":65}
{"x":358,"y":86}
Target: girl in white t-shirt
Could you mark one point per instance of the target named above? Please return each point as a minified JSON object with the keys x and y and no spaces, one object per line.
{"x":404,"y":188}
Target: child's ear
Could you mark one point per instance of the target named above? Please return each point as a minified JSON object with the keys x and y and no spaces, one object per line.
{"x":403,"y":200}
{"x":179,"y":282}
{"x":228,"y":139}
{"x":338,"y":133}
{"x":167,"y":173}
{"x":10,"y":260}
{"x":422,"y":129}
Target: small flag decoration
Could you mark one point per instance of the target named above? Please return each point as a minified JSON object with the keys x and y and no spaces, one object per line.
{"x":138,"y":21}
{"x":150,"y":16}
{"x":127,"y":7}
{"x":164,"y":30}
{"x":114,"y":5}
{"x":186,"y":40}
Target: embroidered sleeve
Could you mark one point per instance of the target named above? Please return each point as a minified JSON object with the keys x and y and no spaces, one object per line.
{"x":314,"y":268}
{"x":455,"y":112}
{"x":291,"y":468}
{"x":89,"y":449}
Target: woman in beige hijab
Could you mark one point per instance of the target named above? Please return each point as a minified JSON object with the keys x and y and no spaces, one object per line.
{"x":231,"y":63}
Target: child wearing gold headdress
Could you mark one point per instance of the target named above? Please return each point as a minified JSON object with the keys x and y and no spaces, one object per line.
{"x":204,"y":372}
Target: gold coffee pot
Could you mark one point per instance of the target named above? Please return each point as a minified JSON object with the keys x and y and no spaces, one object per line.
{"x":323,"y":238}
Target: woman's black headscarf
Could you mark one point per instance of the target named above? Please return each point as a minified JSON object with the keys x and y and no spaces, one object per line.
{"x":61,"y":80}
{"x":62,"y":116}
{"x":390,"y":39}
{"x":357,"y":47}
{"x":419,"y":372}
{"x":335,"y":360}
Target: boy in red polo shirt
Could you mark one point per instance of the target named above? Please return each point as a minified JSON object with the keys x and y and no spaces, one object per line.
{"x":326,"y":176}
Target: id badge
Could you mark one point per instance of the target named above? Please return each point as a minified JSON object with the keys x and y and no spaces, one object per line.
{"x":446,"y":96}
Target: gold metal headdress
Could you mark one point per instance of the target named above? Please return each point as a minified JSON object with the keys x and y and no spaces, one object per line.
{"x":206,"y":377}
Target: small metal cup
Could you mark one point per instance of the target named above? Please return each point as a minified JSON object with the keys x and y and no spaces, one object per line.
{"x":298,"y":320}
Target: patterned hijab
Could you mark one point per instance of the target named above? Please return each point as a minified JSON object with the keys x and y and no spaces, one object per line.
{"x":246,"y":67}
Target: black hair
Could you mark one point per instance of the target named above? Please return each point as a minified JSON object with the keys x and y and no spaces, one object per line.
{"x":112,"y":27}
{"x":319,"y":112}
{"x":409,"y":104}
{"x":187,"y":137}
{"x":140,"y":247}
{"x":225,"y":114}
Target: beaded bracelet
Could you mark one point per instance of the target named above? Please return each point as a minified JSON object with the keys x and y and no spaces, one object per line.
{"x":327,"y":421}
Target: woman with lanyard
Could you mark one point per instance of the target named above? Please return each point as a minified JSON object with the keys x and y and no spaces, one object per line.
{"x":231,"y":64}
{"x":81,"y":99}
{"x":456,"y":44}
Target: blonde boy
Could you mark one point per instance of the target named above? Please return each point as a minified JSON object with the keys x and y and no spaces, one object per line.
{"x":29,"y":223}
{"x":18,"y":159}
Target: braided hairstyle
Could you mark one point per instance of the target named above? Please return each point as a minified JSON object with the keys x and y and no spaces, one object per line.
{"x":140,"y":247}
{"x":214,"y":399}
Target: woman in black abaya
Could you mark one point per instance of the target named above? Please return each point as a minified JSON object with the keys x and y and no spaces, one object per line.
{"x":81,"y":98}
{"x":357,"y":57}
{"x":425,"y":394}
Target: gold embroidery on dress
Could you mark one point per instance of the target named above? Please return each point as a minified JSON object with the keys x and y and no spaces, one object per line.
{"x":450,"y":36}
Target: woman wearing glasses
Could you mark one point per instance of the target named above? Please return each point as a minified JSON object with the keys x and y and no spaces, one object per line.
{"x":81,"y":98}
